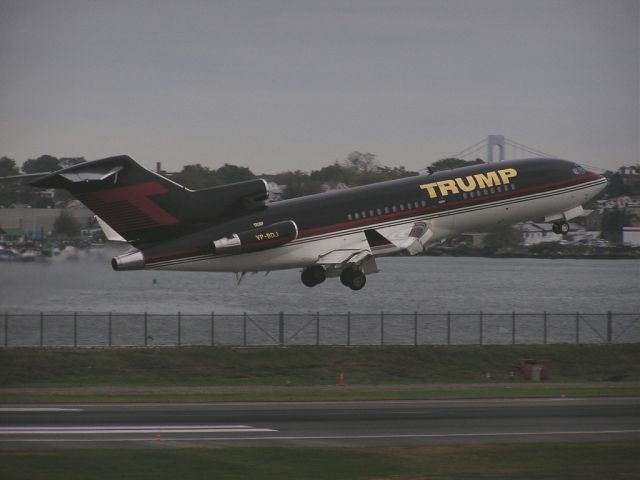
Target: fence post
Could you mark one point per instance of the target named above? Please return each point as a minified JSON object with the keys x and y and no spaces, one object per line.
{"x":415,"y":328}
{"x":6,"y":329}
{"x":179,"y":329}
{"x":381,"y":328}
{"x":448,"y":328}
{"x":145,"y":329}
{"x":110,"y":329}
{"x":513,"y":328}
{"x":75,"y":329}
{"x":609,"y":326}
{"x":481,"y":327}
{"x":544,"y":328}
{"x":41,"y":329}
{"x":213,"y":329}
{"x":281,"y":328}
{"x":577,"y":328}
{"x":348,"y":328}
{"x":317,"y":328}
{"x":244,"y":329}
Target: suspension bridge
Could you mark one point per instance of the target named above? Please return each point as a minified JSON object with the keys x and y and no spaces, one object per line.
{"x":497,"y":148}
{"x":505,"y":148}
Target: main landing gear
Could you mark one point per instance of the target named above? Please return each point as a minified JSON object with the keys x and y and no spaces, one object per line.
{"x":350,"y":277}
{"x":312,"y":276}
{"x":560,"y":228}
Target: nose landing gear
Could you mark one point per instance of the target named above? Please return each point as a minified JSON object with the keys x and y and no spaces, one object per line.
{"x":560,"y":228}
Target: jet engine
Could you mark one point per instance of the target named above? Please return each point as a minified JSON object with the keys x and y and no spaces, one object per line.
{"x":262,"y":238}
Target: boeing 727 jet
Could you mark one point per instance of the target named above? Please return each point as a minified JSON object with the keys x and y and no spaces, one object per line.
{"x":234,"y":228}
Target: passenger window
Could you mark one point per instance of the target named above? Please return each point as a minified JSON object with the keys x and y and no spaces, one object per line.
{"x":424,"y":203}
{"x":499,"y":189}
{"x":386,"y":210}
{"x":379,"y":212}
{"x":472,"y":194}
{"x":492,"y":191}
{"x":394,"y":209}
{"x":371,"y":213}
{"x":349,"y":217}
{"x":416,"y":204}
{"x":402,"y":207}
{"x":364,"y":214}
{"x":464,"y":195}
{"x":356,"y":215}
{"x":484,"y":191}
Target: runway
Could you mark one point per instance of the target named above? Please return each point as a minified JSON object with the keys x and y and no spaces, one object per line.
{"x":327,"y":424}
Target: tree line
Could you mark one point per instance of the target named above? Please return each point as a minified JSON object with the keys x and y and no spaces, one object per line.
{"x":355,"y":169}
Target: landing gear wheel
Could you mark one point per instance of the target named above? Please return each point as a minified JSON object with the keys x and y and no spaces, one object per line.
{"x":560,"y":228}
{"x":345,"y":277}
{"x":354,"y":279}
{"x":358,"y":280}
{"x":312,"y":276}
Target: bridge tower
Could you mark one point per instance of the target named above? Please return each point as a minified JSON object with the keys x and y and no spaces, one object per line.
{"x":495,"y":141}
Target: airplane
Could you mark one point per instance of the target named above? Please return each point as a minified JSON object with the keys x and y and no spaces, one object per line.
{"x":234,"y":228}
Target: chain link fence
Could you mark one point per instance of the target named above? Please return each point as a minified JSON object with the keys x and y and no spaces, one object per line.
{"x":351,"y":329}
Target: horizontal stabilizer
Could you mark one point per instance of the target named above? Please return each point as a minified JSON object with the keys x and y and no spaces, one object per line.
{"x":109,"y":232}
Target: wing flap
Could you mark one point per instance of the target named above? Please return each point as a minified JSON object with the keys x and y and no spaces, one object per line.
{"x":343,"y":257}
{"x":412,"y":238}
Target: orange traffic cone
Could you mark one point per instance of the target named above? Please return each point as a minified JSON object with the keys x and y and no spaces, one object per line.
{"x":341,"y":380}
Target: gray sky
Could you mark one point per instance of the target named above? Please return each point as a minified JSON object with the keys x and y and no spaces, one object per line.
{"x":278,"y":85}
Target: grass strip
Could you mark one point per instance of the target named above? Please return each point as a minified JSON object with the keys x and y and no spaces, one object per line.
{"x":583,"y":461}
{"x":300,"y":366}
{"x":311,"y":373}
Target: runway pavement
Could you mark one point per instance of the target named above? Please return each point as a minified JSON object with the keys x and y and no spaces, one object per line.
{"x":370,"y":423}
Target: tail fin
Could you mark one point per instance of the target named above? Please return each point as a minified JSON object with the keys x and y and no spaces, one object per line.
{"x":144,"y":207}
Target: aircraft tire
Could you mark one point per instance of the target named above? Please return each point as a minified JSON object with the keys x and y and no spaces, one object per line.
{"x":313,"y":275}
{"x":345,"y":277}
{"x":560,"y":228}
{"x":308,"y":278}
{"x":358,"y":280}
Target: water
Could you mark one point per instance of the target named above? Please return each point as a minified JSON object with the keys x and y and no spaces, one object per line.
{"x":404,"y":285}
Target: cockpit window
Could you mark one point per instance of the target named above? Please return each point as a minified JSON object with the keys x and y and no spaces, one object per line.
{"x":578,"y":170}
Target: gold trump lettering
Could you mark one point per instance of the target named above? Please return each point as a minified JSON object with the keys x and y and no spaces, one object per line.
{"x":469,"y":183}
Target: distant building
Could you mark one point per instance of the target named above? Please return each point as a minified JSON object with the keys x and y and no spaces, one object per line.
{"x":631,"y":236}
{"x":275,"y":191}
{"x":31,"y":223}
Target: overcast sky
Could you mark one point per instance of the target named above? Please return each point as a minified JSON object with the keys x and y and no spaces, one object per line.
{"x":278,"y":85}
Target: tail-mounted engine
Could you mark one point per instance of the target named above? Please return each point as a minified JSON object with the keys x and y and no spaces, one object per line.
{"x":262,"y":238}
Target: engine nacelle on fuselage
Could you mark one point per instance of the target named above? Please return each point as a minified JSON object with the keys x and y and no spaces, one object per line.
{"x":263,"y":238}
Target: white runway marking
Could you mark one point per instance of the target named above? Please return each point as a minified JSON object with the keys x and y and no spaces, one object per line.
{"x":101,"y":430}
{"x":39,"y":409}
{"x":336,"y":437}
